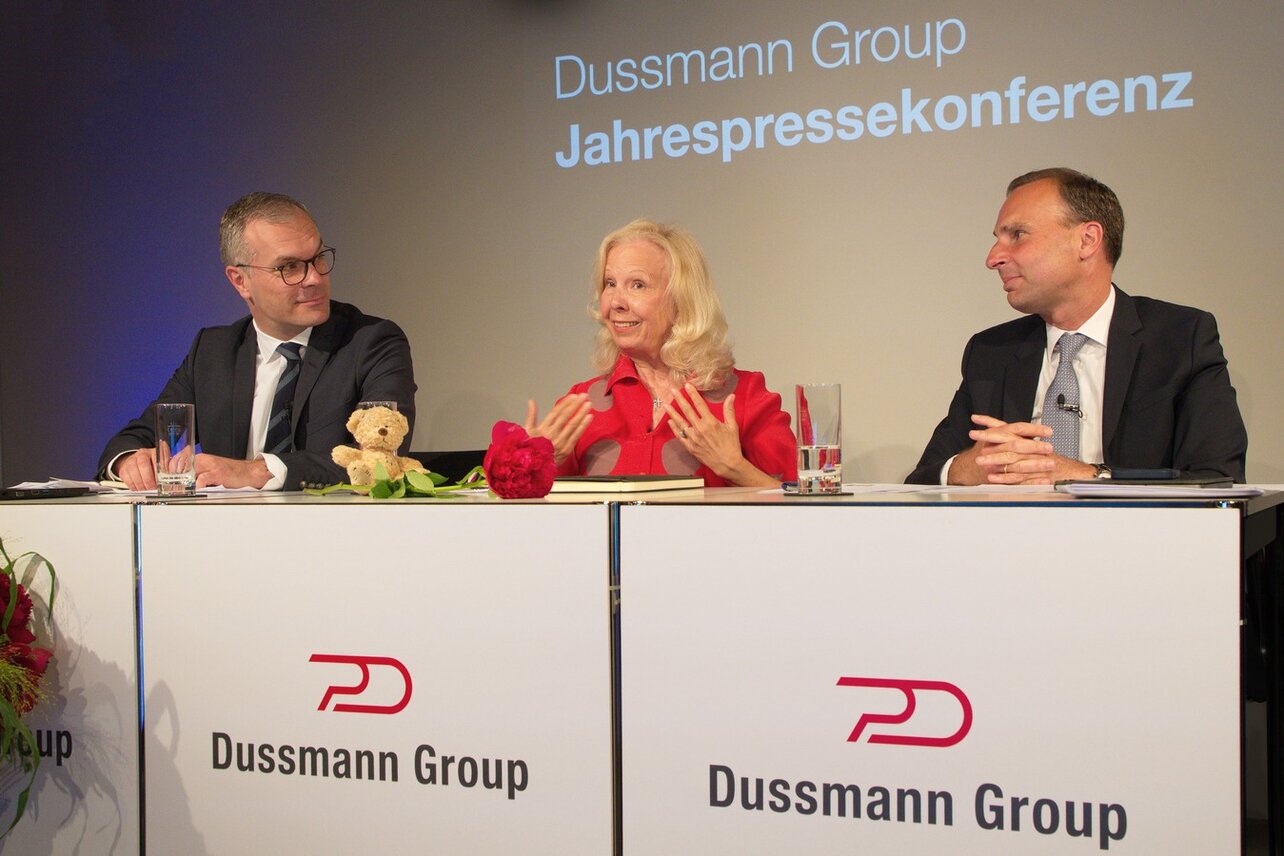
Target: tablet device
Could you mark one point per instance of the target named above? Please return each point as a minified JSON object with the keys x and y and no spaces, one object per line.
{"x":43,"y":492}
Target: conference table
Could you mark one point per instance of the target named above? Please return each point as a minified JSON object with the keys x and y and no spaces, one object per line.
{"x":729,"y":670}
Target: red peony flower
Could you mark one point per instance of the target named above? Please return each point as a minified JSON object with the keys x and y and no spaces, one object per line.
{"x":17,"y":630}
{"x":517,"y":465}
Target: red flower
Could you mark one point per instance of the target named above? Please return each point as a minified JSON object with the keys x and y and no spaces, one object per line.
{"x":17,"y":630}
{"x":35,"y":661}
{"x":517,"y":465}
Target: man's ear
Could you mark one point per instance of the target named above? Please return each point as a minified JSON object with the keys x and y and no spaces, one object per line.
{"x":1091,"y":239}
{"x":236,"y":276}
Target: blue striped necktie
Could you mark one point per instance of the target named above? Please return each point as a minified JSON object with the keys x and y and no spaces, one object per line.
{"x":279,"y":436}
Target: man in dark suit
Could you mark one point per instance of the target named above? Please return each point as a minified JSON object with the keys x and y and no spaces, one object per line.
{"x":334,"y":356}
{"x":1146,"y":385}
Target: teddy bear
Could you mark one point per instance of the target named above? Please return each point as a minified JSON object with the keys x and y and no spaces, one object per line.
{"x":379,"y":431}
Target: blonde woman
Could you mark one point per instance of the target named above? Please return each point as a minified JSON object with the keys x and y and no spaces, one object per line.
{"x":669,"y":398}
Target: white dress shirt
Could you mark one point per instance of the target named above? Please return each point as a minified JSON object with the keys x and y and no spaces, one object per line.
{"x":268,"y":367}
{"x":1090,"y":369}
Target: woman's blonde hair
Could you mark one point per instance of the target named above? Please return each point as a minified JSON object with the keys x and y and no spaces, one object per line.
{"x":697,"y":349}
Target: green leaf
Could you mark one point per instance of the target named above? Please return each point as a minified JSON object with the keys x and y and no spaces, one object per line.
{"x":421,"y":484}
{"x":381,"y":489}
{"x":18,"y":746}
{"x":380,"y":472}
{"x":12,"y":603}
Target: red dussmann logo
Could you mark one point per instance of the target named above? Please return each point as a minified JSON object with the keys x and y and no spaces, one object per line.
{"x":364,"y":664}
{"x":907,"y":687}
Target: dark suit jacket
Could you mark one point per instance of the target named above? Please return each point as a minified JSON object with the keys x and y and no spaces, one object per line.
{"x":1168,"y":401}
{"x":352,"y":357}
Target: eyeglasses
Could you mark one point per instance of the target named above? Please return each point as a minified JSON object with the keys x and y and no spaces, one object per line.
{"x":294,"y":272}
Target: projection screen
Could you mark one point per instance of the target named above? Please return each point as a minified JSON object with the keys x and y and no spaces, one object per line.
{"x":841,"y":163}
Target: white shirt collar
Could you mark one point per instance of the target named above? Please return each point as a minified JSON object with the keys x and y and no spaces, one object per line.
{"x":1096,"y":328}
{"x":268,"y":344}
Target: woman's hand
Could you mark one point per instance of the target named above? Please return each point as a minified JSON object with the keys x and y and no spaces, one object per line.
{"x":714,"y":442}
{"x":564,"y":424}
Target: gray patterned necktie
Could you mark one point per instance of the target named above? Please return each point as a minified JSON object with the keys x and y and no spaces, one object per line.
{"x":1061,"y":405}
{"x":279,"y":436}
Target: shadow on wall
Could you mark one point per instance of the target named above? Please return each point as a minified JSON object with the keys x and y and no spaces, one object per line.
{"x":77,"y":804}
{"x":171,"y":830}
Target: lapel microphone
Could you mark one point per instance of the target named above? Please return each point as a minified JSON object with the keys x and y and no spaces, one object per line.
{"x":1068,"y":408}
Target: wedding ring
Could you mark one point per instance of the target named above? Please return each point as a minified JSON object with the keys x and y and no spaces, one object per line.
{"x":1005,"y":469}
{"x":683,"y":433}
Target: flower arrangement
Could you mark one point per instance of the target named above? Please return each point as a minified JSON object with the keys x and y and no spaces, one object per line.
{"x":517,"y":465}
{"x":22,"y":669}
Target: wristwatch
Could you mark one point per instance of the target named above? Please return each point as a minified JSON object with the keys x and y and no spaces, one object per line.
{"x":1103,"y":472}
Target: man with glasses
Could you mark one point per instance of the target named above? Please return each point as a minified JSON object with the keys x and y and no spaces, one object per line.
{"x":274,"y":390}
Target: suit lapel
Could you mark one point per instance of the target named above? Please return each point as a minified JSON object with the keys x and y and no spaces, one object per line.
{"x":321,"y":345}
{"x":243,"y":392}
{"x":1022,"y":375}
{"x":1121,"y":357}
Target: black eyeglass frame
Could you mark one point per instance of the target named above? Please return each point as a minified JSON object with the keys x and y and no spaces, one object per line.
{"x":326,"y":252}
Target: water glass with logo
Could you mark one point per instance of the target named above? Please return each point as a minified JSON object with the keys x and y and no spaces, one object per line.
{"x":820,"y":438}
{"x":176,"y":449}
